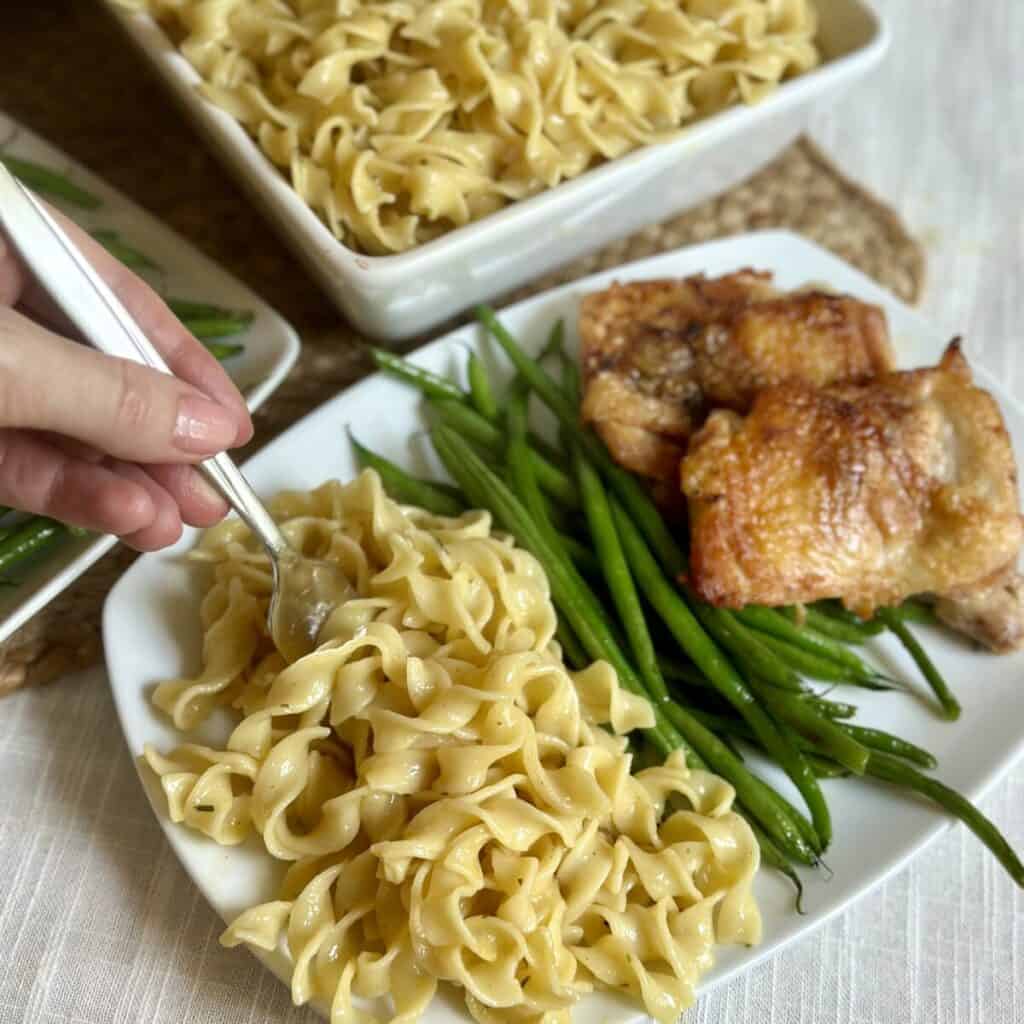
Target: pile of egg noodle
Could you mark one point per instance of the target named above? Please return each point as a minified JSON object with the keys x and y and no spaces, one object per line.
{"x":454,"y":804}
{"x":398,"y":120}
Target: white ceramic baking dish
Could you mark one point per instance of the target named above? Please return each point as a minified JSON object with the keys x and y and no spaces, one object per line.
{"x":396,"y":297}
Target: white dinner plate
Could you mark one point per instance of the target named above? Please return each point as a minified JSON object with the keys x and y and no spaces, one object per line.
{"x":151,"y":628}
{"x":271,"y":346}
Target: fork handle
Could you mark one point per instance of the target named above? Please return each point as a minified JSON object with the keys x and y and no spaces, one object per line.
{"x":92,"y":307}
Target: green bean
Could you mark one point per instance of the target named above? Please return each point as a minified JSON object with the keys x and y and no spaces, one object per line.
{"x":816,"y":667}
{"x":726,"y":725}
{"x":554,"y":344}
{"x":617,"y":575}
{"x":437,"y":387}
{"x":738,"y":727}
{"x":824,"y":768}
{"x":873,"y":739}
{"x":891,"y":769}
{"x":749,"y":649}
{"x":18,"y":520}
{"x":630,"y":492}
{"x":404,"y":488}
{"x":768,"y":620}
{"x":517,"y":454}
{"x":563,"y":519}
{"x":644,"y":754}
{"x":211,"y":329}
{"x":774,"y":857}
{"x":521,"y":466}
{"x":582,"y":557}
{"x":886,"y":743}
{"x":221,"y":350}
{"x":188,"y":309}
{"x":731,"y":744}
{"x":571,"y":386}
{"x":570,"y":592}
{"x":42,"y":179}
{"x":832,"y":708}
{"x":570,"y":376}
{"x":480,"y":392}
{"x":683,"y":673}
{"x":430,"y":383}
{"x":914,"y":611}
{"x":572,"y":649}
{"x":29,"y":539}
{"x":723,"y":725}
{"x":468,"y":422}
{"x":828,"y":738}
{"x":751,"y":791}
{"x":838,"y":629}
{"x":702,"y":651}
{"x":121,"y":251}
{"x":837,"y":613}
{"x":471,"y":425}
{"x":692,"y":676}
{"x":707,"y":699}
{"x":893,"y":621}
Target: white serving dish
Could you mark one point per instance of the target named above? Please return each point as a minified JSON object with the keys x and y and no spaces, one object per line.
{"x":151,"y":628}
{"x":395,"y":297}
{"x":271,"y":346}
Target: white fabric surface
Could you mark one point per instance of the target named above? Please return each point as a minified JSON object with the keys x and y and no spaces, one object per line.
{"x":99,"y":924}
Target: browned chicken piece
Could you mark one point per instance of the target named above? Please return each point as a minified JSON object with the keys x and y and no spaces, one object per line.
{"x":870,"y":493}
{"x":658,"y":355}
{"x":806,"y":336}
{"x":991,"y":612}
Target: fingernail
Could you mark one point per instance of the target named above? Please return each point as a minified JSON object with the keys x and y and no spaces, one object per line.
{"x":203,"y":427}
{"x":244,"y":433}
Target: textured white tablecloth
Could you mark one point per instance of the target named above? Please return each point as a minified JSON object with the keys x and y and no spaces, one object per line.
{"x":99,"y":924}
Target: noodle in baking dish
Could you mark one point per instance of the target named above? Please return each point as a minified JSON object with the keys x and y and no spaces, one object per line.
{"x":454,"y":804}
{"x":399,"y":120}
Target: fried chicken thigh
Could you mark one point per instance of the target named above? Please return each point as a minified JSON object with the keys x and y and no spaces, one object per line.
{"x":869,"y":492}
{"x":991,"y":612}
{"x":659,"y":355}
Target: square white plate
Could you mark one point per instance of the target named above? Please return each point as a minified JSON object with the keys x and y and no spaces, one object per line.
{"x":271,"y":346}
{"x":151,"y":620}
{"x":406,"y":294}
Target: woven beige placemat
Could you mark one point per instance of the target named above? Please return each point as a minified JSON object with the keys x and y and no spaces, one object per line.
{"x":123,"y":127}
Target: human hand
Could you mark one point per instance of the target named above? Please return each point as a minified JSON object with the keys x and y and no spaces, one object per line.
{"x":104,"y":443}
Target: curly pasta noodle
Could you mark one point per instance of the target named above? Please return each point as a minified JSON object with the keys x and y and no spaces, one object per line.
{"x":455,"y":805}
{"x":397,"y":120}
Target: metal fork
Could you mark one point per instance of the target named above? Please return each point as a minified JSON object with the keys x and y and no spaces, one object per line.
{"x":305,"y":590}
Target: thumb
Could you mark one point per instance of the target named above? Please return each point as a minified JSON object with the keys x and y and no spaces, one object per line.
{"x":130,"y":411}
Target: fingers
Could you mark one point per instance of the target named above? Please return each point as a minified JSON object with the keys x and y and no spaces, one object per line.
{"x":186,"y":357}
{"x":198,"y":503}
{"x":165,"y":527}
{"x":13,"y":278}
{"x":37,"y":477}
{"x":119,"y":407}
{"x":145,"y":508}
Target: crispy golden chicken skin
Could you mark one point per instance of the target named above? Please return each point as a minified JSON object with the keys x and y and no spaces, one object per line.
{"x":870,"y":493}
{"x":658,"y":355}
